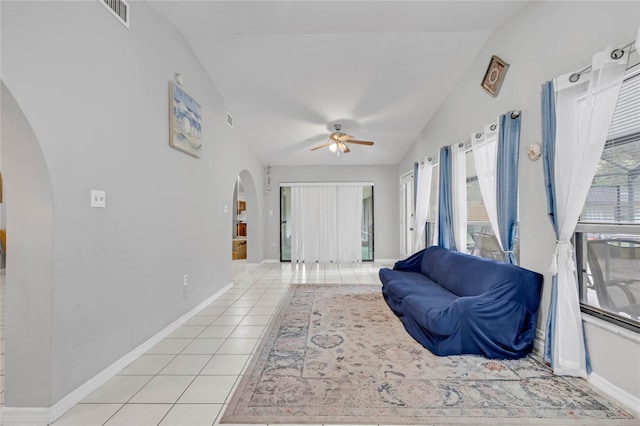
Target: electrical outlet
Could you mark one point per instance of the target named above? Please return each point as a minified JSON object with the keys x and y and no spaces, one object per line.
{"x":186,"y":280}
{"x":273,"y":244}
{"x":185,"y":286}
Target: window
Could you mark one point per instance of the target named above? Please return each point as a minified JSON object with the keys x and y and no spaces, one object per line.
{"x":481,"y":238}
{"x":432,"y":219}
{"x":607,"y":237}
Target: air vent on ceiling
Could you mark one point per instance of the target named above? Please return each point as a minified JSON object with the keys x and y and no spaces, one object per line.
{"x":119,"y":9}
{"x":229,"y":120}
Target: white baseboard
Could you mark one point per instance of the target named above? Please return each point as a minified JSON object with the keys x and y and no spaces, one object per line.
{"x":630,"y":402}
{"x":392,"y":261}
{"x":44,"y":416}
{"x":538,"y":342}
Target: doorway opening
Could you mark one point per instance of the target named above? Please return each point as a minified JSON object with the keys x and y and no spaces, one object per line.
{"x":239,"y":242}
{"x":365,"y":222}
{"x":3,"y":251}
{"x":407,"y":202}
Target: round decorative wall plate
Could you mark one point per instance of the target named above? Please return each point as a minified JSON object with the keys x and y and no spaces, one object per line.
{"x":534,"y":151}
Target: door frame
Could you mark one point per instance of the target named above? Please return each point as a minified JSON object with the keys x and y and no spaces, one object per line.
{"x":406,"y":199}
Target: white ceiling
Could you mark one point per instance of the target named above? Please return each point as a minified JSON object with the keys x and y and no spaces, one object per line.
{"x":289,"y":69}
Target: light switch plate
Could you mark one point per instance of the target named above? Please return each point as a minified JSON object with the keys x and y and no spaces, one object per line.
{"x":98,"y":198}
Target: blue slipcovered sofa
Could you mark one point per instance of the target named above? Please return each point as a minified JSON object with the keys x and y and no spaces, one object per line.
{"x":454,"y":303}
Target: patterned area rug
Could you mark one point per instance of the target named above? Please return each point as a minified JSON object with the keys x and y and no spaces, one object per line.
{"x":337,"y":354}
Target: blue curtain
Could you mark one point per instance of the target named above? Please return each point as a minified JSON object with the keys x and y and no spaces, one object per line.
{"x":548,"y":164}
{"x":446,"y":237}
{"x":507,"y":181}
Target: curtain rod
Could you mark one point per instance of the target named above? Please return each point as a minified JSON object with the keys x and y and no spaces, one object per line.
{"x":615,"y":54}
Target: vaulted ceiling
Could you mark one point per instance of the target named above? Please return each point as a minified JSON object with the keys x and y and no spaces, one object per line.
{"x":288,"y":70}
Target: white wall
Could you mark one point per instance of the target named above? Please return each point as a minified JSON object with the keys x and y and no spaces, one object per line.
{"x":31,"y":214}
{"x":96,"y":97}
{"x":385,"y":199}
{"x":544,"y":40}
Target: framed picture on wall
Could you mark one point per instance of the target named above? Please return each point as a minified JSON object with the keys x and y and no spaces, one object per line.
{"x":494,"y":76}
{"x":185,"y":122}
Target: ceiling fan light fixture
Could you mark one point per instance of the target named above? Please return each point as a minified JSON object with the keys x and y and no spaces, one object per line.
{"x":338,"y":141}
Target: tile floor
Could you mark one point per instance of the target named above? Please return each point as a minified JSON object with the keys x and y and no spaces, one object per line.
{"x":188,"y":378}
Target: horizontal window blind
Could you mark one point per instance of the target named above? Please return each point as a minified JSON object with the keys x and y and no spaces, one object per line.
{"x":476,"y":212}
{"x":626,"y":119}
{"x":614,"y":196}
{"x":433,"y":199}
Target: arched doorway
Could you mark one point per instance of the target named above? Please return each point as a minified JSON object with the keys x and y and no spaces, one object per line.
{"x":239,"y":228}
{"x":28,"y":196}
{"x":246,"y":218}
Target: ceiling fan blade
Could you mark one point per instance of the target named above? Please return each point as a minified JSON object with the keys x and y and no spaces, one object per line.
{"x":321,"y":146}
{"x":344,"y":148}
{"x":344,"y":137}
{"x":359,"y":142}
{"x":334,"y":136}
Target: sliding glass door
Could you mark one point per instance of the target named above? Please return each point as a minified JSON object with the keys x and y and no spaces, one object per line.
{"x":300,"y":234}
{"x":285,"y":224}
{"x":367,"y":223}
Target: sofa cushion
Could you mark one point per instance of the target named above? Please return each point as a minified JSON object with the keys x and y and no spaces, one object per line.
{"x":398,"y":285}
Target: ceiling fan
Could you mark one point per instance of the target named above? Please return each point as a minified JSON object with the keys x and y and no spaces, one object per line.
{"x":338,"y":141}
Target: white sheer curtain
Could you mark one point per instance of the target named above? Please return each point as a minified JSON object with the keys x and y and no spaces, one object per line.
{"x":485,"y":155}
{"x":584,"y":110}
{"x":310,"y":208}
{"x":423,"y":197}
{"x":349,"y":223}
{"x":433,"y":201}
{"x":327,"y":229}
{"x":459,"y":194}
{"x":326,"y":223}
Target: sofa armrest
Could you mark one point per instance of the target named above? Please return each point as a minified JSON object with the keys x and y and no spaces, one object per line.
{"x":411,"y":264}
{"x":500,"y":328}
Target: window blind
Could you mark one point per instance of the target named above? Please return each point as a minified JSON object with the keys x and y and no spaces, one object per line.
{"x":614,"y":196}
{"x":626,"y":119}
{"x":476,"y":211}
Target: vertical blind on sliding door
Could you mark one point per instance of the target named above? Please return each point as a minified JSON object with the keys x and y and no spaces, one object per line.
{"x":326,"y":223}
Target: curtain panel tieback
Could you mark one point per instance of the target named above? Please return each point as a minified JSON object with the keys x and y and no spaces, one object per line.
{"x":568,"y":247}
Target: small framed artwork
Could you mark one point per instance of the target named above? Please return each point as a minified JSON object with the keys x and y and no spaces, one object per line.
{"x":494,"y":76}
{"x":185,"y":122}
